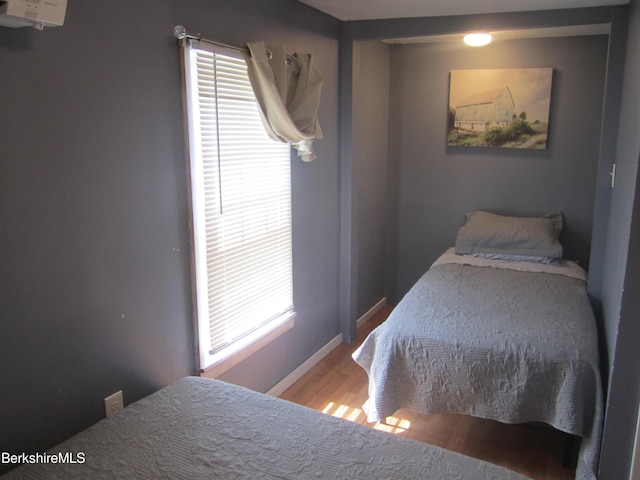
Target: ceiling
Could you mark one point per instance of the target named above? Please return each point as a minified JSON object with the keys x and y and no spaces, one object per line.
{"x":377,"y":9}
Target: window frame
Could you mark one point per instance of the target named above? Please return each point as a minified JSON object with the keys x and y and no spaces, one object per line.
{"x":215,"y":363}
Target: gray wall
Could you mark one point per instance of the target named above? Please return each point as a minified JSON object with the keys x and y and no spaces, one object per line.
{"x":621,"y":279}
{"x":371,"y":145}
{"x":95,"y":291}
{"x":436,"y":184}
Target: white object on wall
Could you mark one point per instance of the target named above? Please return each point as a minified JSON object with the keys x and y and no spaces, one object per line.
{"x":32,"y":13}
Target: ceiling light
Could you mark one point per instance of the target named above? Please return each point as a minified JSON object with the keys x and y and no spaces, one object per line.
{"x":477,"y":39}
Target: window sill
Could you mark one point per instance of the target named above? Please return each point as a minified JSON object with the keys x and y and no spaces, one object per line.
{"x":244,"y":348}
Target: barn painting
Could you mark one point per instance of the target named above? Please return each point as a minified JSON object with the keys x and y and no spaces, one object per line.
{"x":507,"y":108}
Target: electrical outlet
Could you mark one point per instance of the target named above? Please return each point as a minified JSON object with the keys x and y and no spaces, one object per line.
{"x":113,"y":403}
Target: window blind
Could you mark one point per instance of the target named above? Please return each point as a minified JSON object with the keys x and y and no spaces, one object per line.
{"x":241,"y":202}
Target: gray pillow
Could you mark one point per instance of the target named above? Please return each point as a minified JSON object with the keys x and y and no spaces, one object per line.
{"x":488,"y":233}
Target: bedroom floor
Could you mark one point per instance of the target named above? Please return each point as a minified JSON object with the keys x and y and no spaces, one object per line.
{"x":338,"y":386}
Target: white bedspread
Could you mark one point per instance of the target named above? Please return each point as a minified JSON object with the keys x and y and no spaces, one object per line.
{"x":509,"y":341}
{"x":206,"y":429}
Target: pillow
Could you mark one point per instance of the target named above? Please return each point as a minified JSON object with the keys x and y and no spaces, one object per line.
{"x":488,"y":233}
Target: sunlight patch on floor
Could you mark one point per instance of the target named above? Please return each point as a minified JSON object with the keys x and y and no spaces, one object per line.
{"x":391,"y":424}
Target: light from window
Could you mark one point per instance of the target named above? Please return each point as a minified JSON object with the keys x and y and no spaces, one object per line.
{"x":241,"y":204}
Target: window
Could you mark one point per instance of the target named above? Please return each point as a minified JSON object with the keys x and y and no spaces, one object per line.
{"x":241,"y":204}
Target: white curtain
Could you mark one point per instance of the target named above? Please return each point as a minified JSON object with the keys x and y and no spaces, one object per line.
{"x":287,"y":88}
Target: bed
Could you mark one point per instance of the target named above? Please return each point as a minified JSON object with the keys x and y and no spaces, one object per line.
{"x":200,"y":428}
{"x":500,"y":327}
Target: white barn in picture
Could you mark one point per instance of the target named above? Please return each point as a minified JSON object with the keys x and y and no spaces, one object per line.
{"x":484,"y":110}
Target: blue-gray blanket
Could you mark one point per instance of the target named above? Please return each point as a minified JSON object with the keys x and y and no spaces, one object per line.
{"x":202,"y":429}
{"x":492,"y":342}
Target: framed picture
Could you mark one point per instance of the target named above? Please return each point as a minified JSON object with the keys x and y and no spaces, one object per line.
{"x":505,"y":108}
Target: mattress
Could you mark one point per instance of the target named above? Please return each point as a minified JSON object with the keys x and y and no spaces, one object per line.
{"x":206,"y":429}
{"x":509,"y":341}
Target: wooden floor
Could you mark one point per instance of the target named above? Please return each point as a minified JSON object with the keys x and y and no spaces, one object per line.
{"x":338,"y":386}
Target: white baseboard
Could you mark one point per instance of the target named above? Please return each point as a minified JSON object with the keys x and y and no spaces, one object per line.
{"x":309,"y":363}
{"x":304,"y":367}
{"x":372,"y":311}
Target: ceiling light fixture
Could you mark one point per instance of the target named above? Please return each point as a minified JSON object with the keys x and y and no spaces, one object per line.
{"x":477,"y":39}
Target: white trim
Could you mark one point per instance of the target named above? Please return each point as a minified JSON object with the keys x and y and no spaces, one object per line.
{"x":247,"y":346}
{"x":304,"y":367}
{"x":635,"y":460}
{"x":372,"y":311}
{"x":255,"y":288}
{"x":310,"y":362}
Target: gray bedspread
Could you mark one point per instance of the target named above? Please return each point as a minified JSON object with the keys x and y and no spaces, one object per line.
{"x":206,"y":429}
{"x":492,"y":341}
